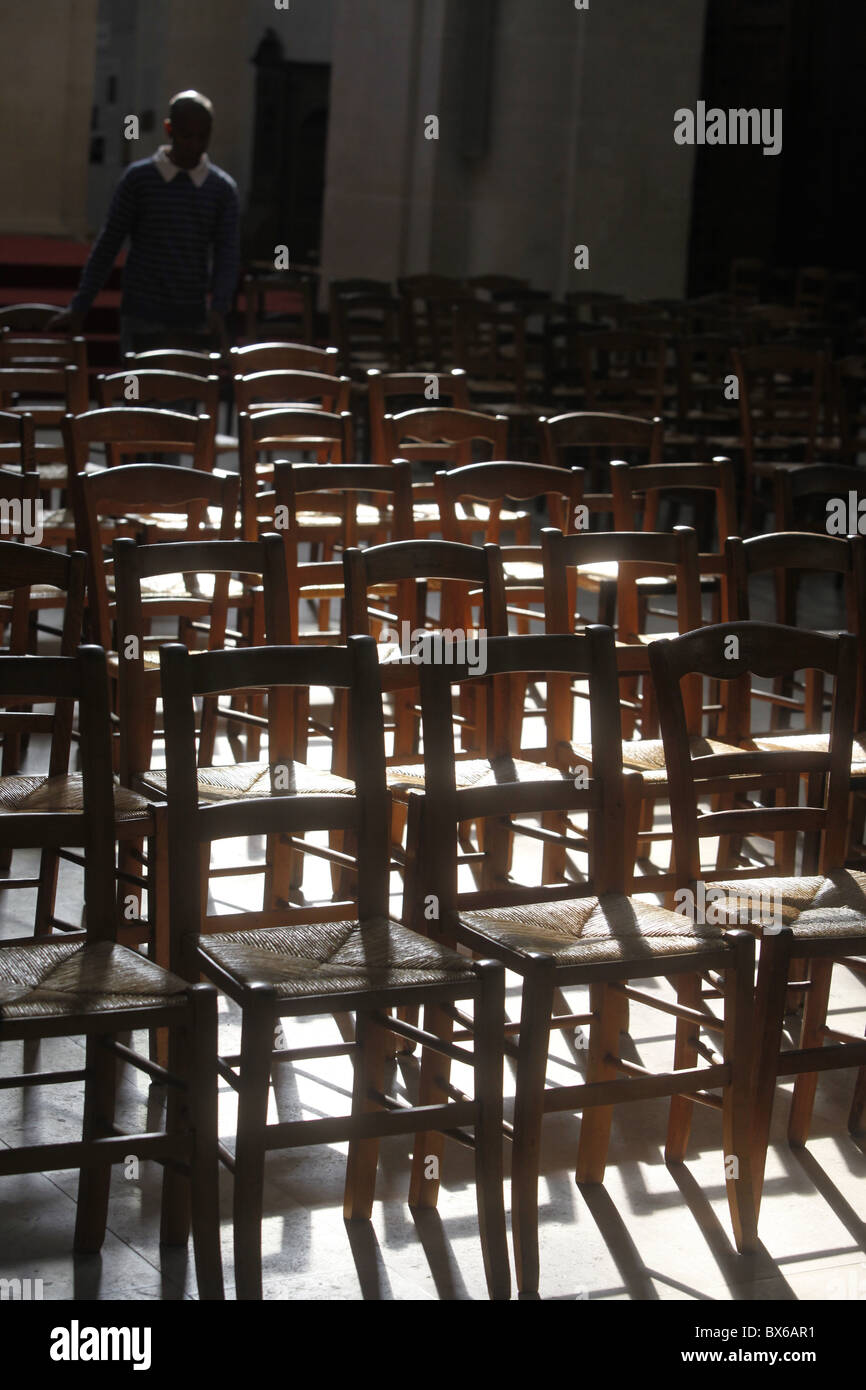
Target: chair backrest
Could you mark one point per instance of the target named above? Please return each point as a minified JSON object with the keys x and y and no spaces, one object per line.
{"x":278,"y":388}
{"x":337,"y":489}
{"x":490,"y":343}
{"x":63,"y":681}
{"x":285,"y":430}
{"x":300,"y":308}
{"x":624,"y":370}
{"x":46,"y":350}
{"x":638,"y":493}
{"x":494,"y":483}
{"x":22,"y":567}
{"x":132,"y":489}
{"x":175,"y":360}
{"x":600,"y":437}
{"x":410,"y":566}
{"x":27,"y":318}
{"x":190,"y":825}
{"x":559,"y":661}
{"x":219,"y":561}
{"x":132,"y":387}
{"x":636,"y":554}
{"x":17,"y":441}
{"x":830,"y":496}
{"x":365,"y":322}
{"x":781,"y":391}
{"x":67,"y":385}
{"x":443,"y":434}
{"x":732,"y":653}
{"x":410,"y":390}
{"x":20,"y":507}
{"x":787,"y":555}
{"x":283,"y":357}
{"x":123,"y":430}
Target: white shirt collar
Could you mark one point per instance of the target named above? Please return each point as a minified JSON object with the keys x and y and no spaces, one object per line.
{"x":168,"y":169}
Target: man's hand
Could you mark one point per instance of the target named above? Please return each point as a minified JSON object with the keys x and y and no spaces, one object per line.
{"x":216,"y":323}
{"x":66,"y":321}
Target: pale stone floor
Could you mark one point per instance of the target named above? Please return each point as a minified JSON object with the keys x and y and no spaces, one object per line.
{"x":651,"y":1232}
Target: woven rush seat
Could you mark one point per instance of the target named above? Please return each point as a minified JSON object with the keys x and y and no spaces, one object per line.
{"x":475,"y":772}
{"x":51,"y":979}
{"x":325,"y":957}
{"x":65,"y":794}
{"x":523,"y":572}
{"x":647,"y":755}
{"x":815,"y":906}
{"x":254,"y":779}
{"x":814,"y":743}
{"x":37,"y":591}
{"x":584,"y":931}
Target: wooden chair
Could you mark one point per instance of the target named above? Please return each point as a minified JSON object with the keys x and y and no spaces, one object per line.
{"x":623,"y":371}
{"x":787,"y":556}
{"x":369,"y":964}
{"x":27,"y":318}
{"x":781,"y":389}
{"x":191,"y":363}
{"x":426,"y":317}
{"x":277,"y":389}
{"x":819,"y":917}
{"x":441,"y":435}
{"x":674,"y":557}
{"x":290,"y":429}
{"x":91,"y":985}
{"x":46,"y":395}
{"x":283,"y":357}
{"x":46,"y":351}
{"x":17,"y":442}
{"x":257,"y":321}
{"x":596,"y":436}
{"x":408,"y":390}
{"x":806,"y":499}
{"x":581,"y":934}
{"x":490,"y":344}
{"x":222,"y":573}
{"x":125,"y":430}
{"x":135,"y":492}
{"x":365,"y":325}
{"x":180,"y":391}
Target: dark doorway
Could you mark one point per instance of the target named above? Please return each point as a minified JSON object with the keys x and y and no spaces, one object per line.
{"x":797,"y":208}
{"x":289,"y":147}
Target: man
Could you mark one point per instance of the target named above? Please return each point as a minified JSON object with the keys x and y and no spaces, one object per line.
{"x":180,"y":213}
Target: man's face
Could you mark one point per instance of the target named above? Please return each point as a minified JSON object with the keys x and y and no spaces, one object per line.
{"x":189,"y":134}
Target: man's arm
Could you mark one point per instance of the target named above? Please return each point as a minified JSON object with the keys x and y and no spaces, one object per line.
{"x":117,"y":227}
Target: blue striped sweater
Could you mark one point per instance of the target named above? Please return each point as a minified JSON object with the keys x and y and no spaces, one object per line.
{"x":183,"y":241}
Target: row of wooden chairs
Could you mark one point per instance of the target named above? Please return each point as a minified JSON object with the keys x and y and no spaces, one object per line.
{"x":557,"y":936}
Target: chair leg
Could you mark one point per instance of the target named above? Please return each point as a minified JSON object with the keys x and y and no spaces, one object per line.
{"x":608,"y":1007}
{"x":429,"y":1145}
{"x":257,"y":1038}
{"x":769,"y":1017}
{"x":535,"y":1014}
{"x":814,"y":1018}
{"x":739,"y":1040}
{"x":489,"y":1025}
{"x":856,"y":1114}
{"x":46,"y":893}
{"x":204,"y":1099}
{"x":363,"y":1159}
{"x":685,"y":1055}
{"x":95,"y":1180}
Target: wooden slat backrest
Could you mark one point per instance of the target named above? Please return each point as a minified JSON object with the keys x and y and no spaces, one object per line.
{"x":175,"y":360}
{"x":283,"y":357}
{"x":159,"y":384}
{"x":767,"y":650}
{"x":384,"y":388}
{"x":353,"y":668}
{"x":443,"y":434}
{"x":138,"y":488}
{"x":496,"y":482}
{"x":137,"y":430}
{"x":261,"y":561}
{"x":641,"y":489}
{"x":64,"y":680}
{"x":279,"y":387}
{"x":558,"y":660}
